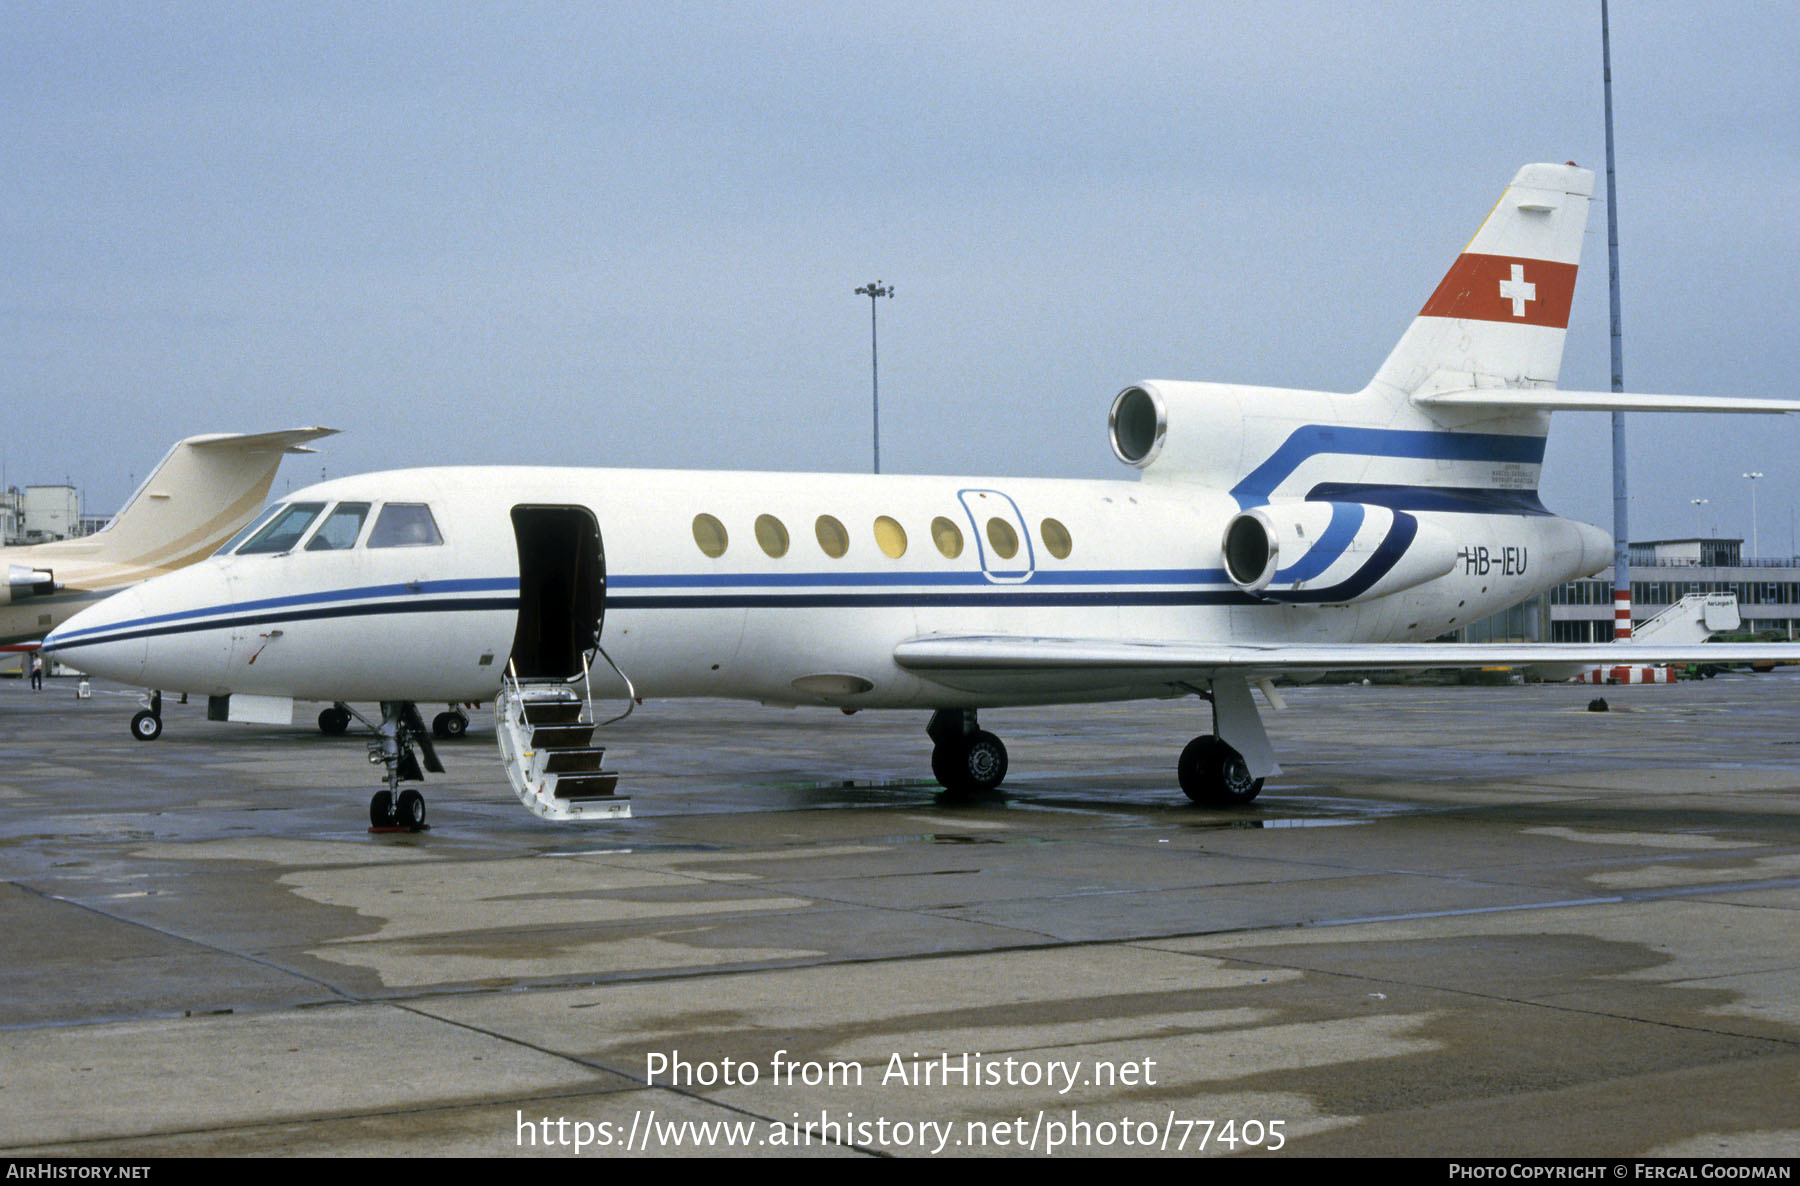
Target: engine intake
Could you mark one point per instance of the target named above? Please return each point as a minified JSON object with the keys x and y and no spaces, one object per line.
{"x":22,"y":582}
{"x":1331,"y":552}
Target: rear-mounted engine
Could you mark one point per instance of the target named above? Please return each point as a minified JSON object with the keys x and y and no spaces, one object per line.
{"x":1331,"y":552}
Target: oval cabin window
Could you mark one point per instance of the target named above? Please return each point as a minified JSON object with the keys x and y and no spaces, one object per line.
{"x":832,"y":537}
{"x":890,"y":537}
{"x":1003,"y":538}
{"x":771,"y":535}
{"x":947,"y":536}
{"x":1056,"y":539}
{"x":709,"y":533}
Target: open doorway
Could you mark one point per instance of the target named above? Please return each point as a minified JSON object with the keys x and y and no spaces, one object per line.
{"x":562,"y":590}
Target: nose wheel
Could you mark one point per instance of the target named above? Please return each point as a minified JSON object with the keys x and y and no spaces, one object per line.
{"x":402,"y":740}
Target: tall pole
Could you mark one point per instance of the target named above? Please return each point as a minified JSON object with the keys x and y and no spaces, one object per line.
{"x":872,"y":291}
{"x":1755,"y":541}
{"x":1621,"y":502}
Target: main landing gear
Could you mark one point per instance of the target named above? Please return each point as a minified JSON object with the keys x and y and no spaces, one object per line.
{"x":147,"y":725}
{"x":445,"y":726}
{"x":1213,"y":773}
{"x":1217,"y":772}
{"x":450,"y":726}
{"x":1224,"y":768}
{"x":401,"y":733}
{"x":965,"y":758}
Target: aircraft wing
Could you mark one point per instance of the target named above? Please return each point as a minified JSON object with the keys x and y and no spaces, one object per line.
{"x":997,"y":663}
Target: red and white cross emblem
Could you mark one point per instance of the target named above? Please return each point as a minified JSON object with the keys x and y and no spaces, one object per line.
{"x":1517,"y":290}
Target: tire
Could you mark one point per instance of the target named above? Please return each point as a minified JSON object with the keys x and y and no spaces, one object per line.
{"x":984,"y":762}
{"x":1213,"y":773}
{"x":334,"y":722}
{"x":381,"y":810}
{"x":449,"y":725}
{"x":146,"y":726}
{"x":972,"y":765}
{"x":409,"y":810}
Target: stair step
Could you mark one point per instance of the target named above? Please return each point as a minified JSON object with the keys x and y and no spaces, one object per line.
{"x":552,"y":712}
{"x":573,"y":761}
{"x":561,"y":736}
{"x":598,"y":785}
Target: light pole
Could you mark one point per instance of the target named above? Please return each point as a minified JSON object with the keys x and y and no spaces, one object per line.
{"x":877,"y":289}
{"x":1755,"y":544}
{"x":1699,"y":515}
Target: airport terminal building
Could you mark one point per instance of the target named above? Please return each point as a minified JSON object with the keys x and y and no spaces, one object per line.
{"x":1662,"y":573}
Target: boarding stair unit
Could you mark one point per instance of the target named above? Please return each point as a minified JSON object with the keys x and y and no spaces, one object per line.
{"x":545,"y":728}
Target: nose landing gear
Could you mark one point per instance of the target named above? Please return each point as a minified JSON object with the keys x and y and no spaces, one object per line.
{"x":402,"y":739}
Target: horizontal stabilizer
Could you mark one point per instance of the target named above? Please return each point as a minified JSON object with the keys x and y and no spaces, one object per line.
{"x":292,"y":440}
{"x":1550,"y":399}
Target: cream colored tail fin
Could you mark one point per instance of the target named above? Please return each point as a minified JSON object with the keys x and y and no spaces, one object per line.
{"x":203,"y":491}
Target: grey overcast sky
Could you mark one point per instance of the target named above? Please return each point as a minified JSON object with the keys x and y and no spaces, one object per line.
{"x":629,"y":233}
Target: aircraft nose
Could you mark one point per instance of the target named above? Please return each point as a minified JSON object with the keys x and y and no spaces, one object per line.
{"x":100,"y":641}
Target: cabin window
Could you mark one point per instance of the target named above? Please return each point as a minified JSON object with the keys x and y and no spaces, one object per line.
{"x":340,"y":529}
{"x":1004,"y":539}
{"x":404,"y":525}
{"x":1056,"y":538}
{"x":890,"y":537}
{"x":709,"y":533}
{"x":250,"y":529}
{"x":283,"y":530}
{"x":832,"y":537}
{"x":947,"y":536}
{"x":771,"y":535}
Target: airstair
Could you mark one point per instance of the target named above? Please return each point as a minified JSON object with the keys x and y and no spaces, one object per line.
{"x":545,"y":727}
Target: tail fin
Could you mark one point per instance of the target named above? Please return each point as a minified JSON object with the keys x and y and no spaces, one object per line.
{"x":203,"y":491}
{"x":1499,"y":317}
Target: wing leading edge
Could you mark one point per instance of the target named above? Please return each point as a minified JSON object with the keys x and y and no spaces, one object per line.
{"x":997,"y":663}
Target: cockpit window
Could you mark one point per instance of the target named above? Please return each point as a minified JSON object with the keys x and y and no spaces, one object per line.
{"x":404,"y":525}
{"x":283,"y":530}
{"x":340,"y":529}
{"x":250,"y":528}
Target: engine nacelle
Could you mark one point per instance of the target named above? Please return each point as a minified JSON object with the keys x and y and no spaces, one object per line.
{"x":1331,"y":552}
{"x":22,"y":582}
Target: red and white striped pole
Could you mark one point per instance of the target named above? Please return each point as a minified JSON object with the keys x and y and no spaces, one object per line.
{"x":1622,"y":615}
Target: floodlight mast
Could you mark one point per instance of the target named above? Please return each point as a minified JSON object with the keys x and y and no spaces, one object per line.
{"x":876,"y":289}
{"x":1621,"y":499}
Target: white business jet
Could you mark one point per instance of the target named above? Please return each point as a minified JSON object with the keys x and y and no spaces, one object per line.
{"x":1265,"y":533}
{"x":199,"y":494}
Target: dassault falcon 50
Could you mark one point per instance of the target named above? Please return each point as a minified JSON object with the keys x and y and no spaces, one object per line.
{"x":1264,"y":533}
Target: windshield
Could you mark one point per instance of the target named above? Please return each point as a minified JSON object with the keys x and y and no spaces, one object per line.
{"x":231,"y":544}
{"x":340,"y":529}
{"x":284,"y":529}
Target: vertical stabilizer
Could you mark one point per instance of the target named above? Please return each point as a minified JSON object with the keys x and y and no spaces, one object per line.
{"x":1499,"y":317}
{"x":197,"y":497}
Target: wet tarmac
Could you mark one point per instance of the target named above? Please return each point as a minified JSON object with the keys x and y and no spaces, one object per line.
{"x":1465,"y":921}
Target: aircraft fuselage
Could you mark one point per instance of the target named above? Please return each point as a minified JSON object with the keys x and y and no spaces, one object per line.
{"x":915,"y":557}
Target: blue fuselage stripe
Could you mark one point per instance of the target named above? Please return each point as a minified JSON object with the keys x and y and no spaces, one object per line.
{"x":1313,"y":440}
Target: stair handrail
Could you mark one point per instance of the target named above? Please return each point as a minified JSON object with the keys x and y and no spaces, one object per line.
{"x":630,"y":688}
{"x":587,"y":689}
